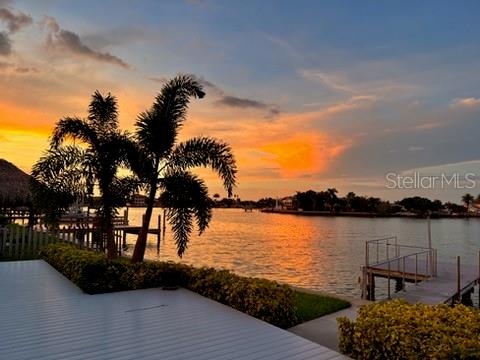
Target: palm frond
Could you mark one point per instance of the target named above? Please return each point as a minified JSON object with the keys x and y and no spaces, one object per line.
{"x":103,"y":111}
{"x":122,"y":189}
{"x":185,"y":196}
{"x":157,"y":128}
{"x":58,"y":179}
{"x":133,"y":157}
{"x":75,"y":128}
{"x":206,"y":152}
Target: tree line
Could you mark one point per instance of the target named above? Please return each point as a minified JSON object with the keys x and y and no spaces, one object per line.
{"x":328,"y":200}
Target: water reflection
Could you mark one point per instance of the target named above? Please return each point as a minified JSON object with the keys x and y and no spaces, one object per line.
{"x":320,"y":253}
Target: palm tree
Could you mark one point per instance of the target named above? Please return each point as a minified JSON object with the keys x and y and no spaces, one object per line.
{"x":332,"y":198}
{"x":164,"y":165}
{"x":105,"y":149}
{"x":467,"y":200}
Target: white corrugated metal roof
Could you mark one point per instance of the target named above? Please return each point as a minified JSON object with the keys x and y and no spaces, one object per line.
{"x":44,"y":316}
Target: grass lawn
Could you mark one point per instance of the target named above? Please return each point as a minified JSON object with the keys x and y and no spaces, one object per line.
{"x":312,"y":306}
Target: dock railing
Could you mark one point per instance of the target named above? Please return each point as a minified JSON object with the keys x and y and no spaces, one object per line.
{"x":387,"y":258}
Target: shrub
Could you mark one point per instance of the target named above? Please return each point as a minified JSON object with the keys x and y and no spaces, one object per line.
{"x":398,"y":330}
{"x":94,"y":273}
{"x":3,"y":220}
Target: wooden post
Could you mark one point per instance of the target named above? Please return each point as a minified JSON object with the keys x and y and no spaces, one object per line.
{"x":416,"y":268}
{"x":458,"y":280}
{"x":388,"y":280}
{"x":125,"y":217}
{"x":164,"y":218}
{"x":159,"y":229}
{"x":372,"y":287}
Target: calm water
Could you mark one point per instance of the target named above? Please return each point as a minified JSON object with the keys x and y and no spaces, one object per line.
{"x":323,"y":253}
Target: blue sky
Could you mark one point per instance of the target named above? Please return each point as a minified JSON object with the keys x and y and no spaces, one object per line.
{"x":309,"y":93}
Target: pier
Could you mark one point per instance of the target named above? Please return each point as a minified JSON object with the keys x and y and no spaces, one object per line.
{"x":434,"y":282}
{"x":24,"y":242}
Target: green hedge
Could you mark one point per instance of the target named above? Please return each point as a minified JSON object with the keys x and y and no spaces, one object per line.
{"x":398,"y":330}
{"x":94,"y":274}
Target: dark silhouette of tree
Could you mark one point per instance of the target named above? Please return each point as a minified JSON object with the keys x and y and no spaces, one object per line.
{"x":467,"y":200}
{"x":419,"y":205}
{"x":332,"y":198}
{"x":163,"y":164}
{"x":73,"y":171}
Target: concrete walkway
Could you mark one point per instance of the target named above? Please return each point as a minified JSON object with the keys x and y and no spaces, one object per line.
{"x":324,"y":330}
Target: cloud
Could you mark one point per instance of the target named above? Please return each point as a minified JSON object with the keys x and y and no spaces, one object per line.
{"x":14,"y":21}
{"x":227,"y":100}
{"x":12,"y":68}
{"x":430,"y":125}
{"x":238,"y":102}
{"x":469,"y":102}
{"x":367,"y":78}
{"x":5,"y":44}
{"x":303,"y":154}
{"x":71,"y":42}
{"x":333,"y":81}
{"x":284,"y":45}
{"x":158,"y":79}
{"x":415,"y":148}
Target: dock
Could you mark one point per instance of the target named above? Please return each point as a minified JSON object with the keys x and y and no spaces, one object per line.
{"x":45,"y":316}
{"x":24,"y":241}
{"x":434,"y":282}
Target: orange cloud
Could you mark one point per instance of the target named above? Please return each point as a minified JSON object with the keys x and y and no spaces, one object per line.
{"x":469,"y":102}
{"x":291,"y":155}
{"x":303,"y":154}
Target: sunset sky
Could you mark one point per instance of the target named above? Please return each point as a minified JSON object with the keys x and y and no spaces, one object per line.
{"x":309,"y":94}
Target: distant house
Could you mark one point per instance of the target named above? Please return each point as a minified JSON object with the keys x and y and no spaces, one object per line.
{"x":288,"y":203}
{"x":138,"y":200}
{"x":474,"y":208}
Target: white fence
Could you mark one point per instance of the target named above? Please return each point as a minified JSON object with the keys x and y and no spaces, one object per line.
{"x":20,"y":242}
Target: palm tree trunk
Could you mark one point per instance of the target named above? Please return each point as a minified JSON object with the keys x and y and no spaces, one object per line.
{"x":111,"y":248}
{"x":107,"y":226}
{"x":141,"y":244}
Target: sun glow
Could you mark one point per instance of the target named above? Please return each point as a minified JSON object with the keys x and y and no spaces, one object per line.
{"x":306,"y":154}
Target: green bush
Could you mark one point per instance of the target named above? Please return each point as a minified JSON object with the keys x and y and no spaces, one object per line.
{"x":398,"y":330}
{"x":94,"y":273}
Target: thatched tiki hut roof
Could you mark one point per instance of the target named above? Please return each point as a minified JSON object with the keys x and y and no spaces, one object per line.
{"x":14,"y":186}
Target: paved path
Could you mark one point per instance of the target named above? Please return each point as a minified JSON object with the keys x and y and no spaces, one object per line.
{"x":44,"y":316}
